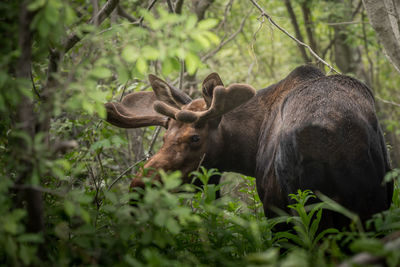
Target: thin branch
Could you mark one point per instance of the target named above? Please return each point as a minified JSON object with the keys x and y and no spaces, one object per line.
{"x":146,"y":157}
{"x":105,"y":11}
{"x":126,"y":15}
{"x":181,"y":74}
{"x":125,"y":172}
{"x":264,"y":14}
{"x":228,"y":8}
{"x":153,"y":141}
{"x":216,"y":50}
{"x":387,"y":101}
{"x":95,"y":4}
{"x":34,"y":86}
{"x":148,"y":9}
{"x":343,"y":23}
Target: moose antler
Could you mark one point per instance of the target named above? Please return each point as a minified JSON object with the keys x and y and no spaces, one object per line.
{"x":135,"y":111}
{"x":221,"y":99}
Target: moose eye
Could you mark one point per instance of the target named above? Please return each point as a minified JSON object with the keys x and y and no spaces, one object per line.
{"x":194,"y":138}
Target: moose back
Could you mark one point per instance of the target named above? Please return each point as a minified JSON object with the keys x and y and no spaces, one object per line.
{"x":308,"y":131}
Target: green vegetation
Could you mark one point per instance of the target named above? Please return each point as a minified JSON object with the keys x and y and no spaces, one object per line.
{"x":65,"y":173}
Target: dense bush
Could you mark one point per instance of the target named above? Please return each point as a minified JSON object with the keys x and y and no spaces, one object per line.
{"x":171,"y":224}
{"x":64,"y":172}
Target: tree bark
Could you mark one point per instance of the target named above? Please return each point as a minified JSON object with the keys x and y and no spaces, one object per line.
{"x":26,"y":124}
{"x":309,"y":25}
{"x":200,"y":7}
{"x":384,"y":18}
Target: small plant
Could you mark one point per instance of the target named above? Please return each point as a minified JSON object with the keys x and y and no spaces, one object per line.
{"x":306,"y":224}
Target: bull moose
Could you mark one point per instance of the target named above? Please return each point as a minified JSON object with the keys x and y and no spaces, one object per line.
{"x":308,"y":131}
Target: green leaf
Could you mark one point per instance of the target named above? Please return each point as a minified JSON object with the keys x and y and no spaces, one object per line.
{"x":34,"y":5}
{"x":105,"y":143}
{"x":367,"y":244}
{"x":191,"y":22}
{"x":123,"y":74}
{"x":34,"y":238}
{"x":207,"y":24}
{"x":69,"y":208}
{"x":192,"y":63}
{"x":212,"y":37}
{"x":150,"y":53}
{"x":51,"y":13}
{"x":172,"y":226}
{"x":160,"y":218}
{"x":10,"y":226}
{"x":141,"y":65}
{"x":129,"y":54}
{"x":44,"y":27}
{"x":101,"y":72}
{"x":201,"y":39}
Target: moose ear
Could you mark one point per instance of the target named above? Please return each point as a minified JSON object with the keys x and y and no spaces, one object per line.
{"x":135,"y":110}
{"x":167,"y":93}
{"x":210,"y":82}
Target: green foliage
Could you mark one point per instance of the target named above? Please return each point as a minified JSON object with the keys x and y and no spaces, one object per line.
{"x":88,"y":216}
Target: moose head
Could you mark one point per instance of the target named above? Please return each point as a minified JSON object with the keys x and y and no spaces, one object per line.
{"x":192,"y":132}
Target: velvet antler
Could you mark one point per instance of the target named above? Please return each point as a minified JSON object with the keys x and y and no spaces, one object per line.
{"x":135,"y":110}
{"x":219,"y":100}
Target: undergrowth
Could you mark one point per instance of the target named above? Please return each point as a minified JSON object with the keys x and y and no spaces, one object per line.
{"x":172,"y":224}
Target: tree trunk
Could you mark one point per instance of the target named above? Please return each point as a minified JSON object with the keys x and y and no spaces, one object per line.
{"x":384,"y":18}
{"x":25,"y":123}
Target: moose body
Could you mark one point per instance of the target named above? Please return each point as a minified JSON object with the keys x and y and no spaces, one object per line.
{"x":308,"y":131}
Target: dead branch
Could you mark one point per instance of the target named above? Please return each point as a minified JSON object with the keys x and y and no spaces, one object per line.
{"x":148,"y":9}
{"x":264,"y":14}
{"x":105,"y":11}
{"x":126,"y":15}
{"x":387,"y":101}
{"x":223,"y":43}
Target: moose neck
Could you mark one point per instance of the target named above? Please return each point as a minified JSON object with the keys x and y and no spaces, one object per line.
{"x":234,"y":144}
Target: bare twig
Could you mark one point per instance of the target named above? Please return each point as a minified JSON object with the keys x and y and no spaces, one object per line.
{"x":105,"y":11}
{"x":201,"y":161}
{"x":146,"y":157}
{"x":148,"y":9}
{"x":224,"y":42}
{"x":34,"y":87}
{"x":124,"y":14}
{"x":181,"y":74}
{"x":153,"y":141}
{"x":95,"y":4}
{"x":264,"y":14}
{"x":228,"y":8}
{"x":343,"y":23}
{"x":125,"y":172}
{"x":387,"y":101}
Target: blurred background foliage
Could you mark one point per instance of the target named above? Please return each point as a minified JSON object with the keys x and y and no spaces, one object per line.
{"x":65,"y":171}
